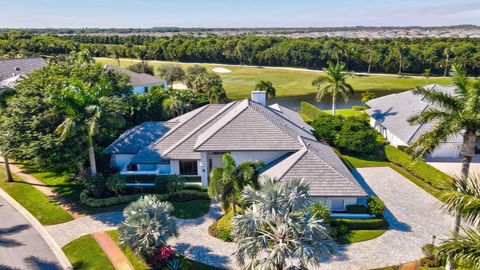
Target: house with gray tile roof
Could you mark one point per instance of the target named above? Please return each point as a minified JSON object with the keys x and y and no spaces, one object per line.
{"x":194,"y":143}
{"x":389,"y":116}
{"x":141,"y":82}
{"x":12,"y":70}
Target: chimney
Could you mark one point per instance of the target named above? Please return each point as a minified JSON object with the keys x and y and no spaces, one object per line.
{"x":260,"y":97}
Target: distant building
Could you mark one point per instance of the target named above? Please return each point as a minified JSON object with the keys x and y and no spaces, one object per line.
{"x":389,"y":116}
{"x":192,"y":144}
{"x":12,"y":70}
{"x":141,"y":82}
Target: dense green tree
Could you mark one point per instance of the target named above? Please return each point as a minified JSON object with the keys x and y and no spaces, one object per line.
{"x":333,"y":82}
{"x":227,"y":182}
{"x":281,"y":232}
{"x":171,"y":73}
{"x":217,"y":94}
{"x":139,"y":68}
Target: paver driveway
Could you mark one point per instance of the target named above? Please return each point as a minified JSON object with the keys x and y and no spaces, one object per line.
{"x":21,"y":246}
{"x":414,"y":217}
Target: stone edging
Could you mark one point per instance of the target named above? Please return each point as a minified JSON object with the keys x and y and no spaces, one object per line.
{"x":65,"y":263}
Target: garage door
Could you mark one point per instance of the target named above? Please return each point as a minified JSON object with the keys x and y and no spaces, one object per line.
{"x":448,"y":150}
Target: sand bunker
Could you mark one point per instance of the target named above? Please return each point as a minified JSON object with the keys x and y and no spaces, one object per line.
{"x":221,"y":70}
{"x":179,"y":86}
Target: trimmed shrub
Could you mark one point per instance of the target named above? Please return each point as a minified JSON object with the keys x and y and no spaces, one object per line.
{"x":360,"y":224}
{"x":358,"y":108}
{"x":141,"y":178}
{"x":96,"y":203}
{"x":310,"y":110}
{"x":342,"y":229}
{"x":375,"y":206}
{"x":357,"y":209}
{"x":224,"y":227}
{"x":333,"y":231}
{"x":195,"y":187}
{"x":356,"y":137}
{"x":327,"y":127}
{"x":320,"y":210}
{"x":188,"y":195}
{"x":418,"y":168}
{"x":116,"y":183}
{"x":96,"y":185}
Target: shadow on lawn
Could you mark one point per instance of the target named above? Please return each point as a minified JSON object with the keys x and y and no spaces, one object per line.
{"x":393,"y":222}
{"x":202,"y":254}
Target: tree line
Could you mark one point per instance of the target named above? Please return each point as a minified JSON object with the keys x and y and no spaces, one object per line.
{"x":385,"y":55}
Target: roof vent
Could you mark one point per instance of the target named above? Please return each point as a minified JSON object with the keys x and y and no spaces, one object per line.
{"x":17,"y":68}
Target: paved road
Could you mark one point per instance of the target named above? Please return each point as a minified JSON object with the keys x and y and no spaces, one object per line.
{"x":21,"y":246}
{"x":453,"y":167}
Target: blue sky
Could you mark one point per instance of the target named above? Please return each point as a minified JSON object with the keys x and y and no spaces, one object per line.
{"x":236,"y":13}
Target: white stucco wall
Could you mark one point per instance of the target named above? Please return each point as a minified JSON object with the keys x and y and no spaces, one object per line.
{"x":174,"y":167}
{"x":120,"y":160}
{"x":265,"y":156}
{"x":394,"y":140}
{"x":140,"y":89}
{"x":328,"y":201}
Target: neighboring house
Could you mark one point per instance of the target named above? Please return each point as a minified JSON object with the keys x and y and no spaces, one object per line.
{"x":141,"y":82}
{"x":12,"y":70}
{"x":249,"y":130}
{"x":389,"y":116}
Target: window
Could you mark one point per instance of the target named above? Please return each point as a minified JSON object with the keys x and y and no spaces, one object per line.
{"x":188,"y":167}
{"x":337,"y":204}
{"x":145,"y":89}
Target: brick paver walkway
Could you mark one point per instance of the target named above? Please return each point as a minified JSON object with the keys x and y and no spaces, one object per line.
{"x":114,"y":254}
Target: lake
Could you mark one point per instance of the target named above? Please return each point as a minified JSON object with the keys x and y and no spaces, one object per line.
{"x":293,"y":102}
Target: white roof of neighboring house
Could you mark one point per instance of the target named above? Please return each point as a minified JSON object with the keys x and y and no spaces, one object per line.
{"x":246,"y":126}
{"x":137,"y":79}
{"x":393,"y":111}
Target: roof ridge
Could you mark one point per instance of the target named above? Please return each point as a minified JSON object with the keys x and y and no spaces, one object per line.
{"x":196,"y":129}
{"x":197,"y":144}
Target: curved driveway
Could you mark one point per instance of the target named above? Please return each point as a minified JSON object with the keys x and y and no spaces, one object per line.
{"x":21,"y":246}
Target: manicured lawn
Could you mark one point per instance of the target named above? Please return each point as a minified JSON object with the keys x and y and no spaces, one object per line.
{"x":355,"y":236}
{"x":191,"y":209}
{"x":348,"y":113}
{"x":39,"y":205}
{"x":241,"y":81}
{"x":139,"y":264}
{"x":85,"y":253}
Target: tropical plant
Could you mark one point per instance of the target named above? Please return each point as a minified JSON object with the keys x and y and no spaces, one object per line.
{"x":95,"y":184}
{"x":375,"y":206}
{"x":462,"y":249}
{"x":320,"y":210}
{"x":116,"y":183}
{"x":367,"y":96}
{"x":87,"y":107}
{"x":279,"y":226}
{"x":203,"y":82}
{"x":227,"y":182}
{"x":266,"y":86}
{"x":141,"y":53}
{"x":116,"y":54}
{"x":334,"y":82}
{"x":216,"y":95}
{"x":141,"y":68}
{"x":147,"y":225}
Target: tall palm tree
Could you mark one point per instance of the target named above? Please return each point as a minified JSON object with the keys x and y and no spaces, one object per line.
{"x":463,"y":198}
{"x":446,"y":53}
{"x":333,"y":81}
{"x":266,"y":86}
{"x":116,"y":54}
{"x":141,"y":53}
{"x":457,"y":113}
{"x":86,"y":108}
{"x":148,"y":225}
{"x":227,"y":182}
{"x":279,"y":226}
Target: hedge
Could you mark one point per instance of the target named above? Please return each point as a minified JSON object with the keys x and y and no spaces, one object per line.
{"x":418,"y":168}
{"x":360,"y":224}
{"x":310,"y":110}
{"x":357,"y":209}
{"x":187,"y":195}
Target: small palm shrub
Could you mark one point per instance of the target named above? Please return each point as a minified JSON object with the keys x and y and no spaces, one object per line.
{"x":148,"y":225}
{"x":95,"y":184}
{"x":116,"y":183}
{"x":320,"y":210}
{"x":375,"y":206}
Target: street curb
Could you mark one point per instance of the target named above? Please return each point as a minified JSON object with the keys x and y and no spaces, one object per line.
{"x":57,"y":251}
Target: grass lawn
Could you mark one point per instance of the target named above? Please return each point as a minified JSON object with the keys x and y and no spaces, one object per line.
{"x":348,"y":113}
{"x":191,"y":209}
{"x":355,"y":236}
{"x":241,"y":81}
{"x":39,"y":205}
{"x":139,"y":264}
{"x":85,"y":253}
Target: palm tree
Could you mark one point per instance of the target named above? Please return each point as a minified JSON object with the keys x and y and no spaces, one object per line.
{"x":400,"y":47}
{"x":463,"y":198}
{"x":458,"y":113}
{"x":266,"y":86}
{"x":116,"y":54}
{"x":148,"y":225}
{"x":279,"y":226}
{"x":227,"y":182}
{"x":86,"y":107}
{"x":217,"y":94}
{"x":334,"y":81}
{"x":141,"y":53}
{"x":7,"y":169}
{"x":446,"y":53}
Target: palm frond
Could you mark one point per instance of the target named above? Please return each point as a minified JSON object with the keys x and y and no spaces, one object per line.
{"x":463,"y":249}
{"x":464,"y":198}
{"x":428,"y":141}
{"x":446,"y":101}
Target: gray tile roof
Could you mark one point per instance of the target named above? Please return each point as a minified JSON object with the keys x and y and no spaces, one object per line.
{"x":154,"y":152}
{"x":321,"y":167}
{"x":137,"y":79}
{"x":393,"y":111}
{"x":251,"y":126}
{"x":137,"y":138}
{"x":19,"y":66}
{"x":291,"y":115}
